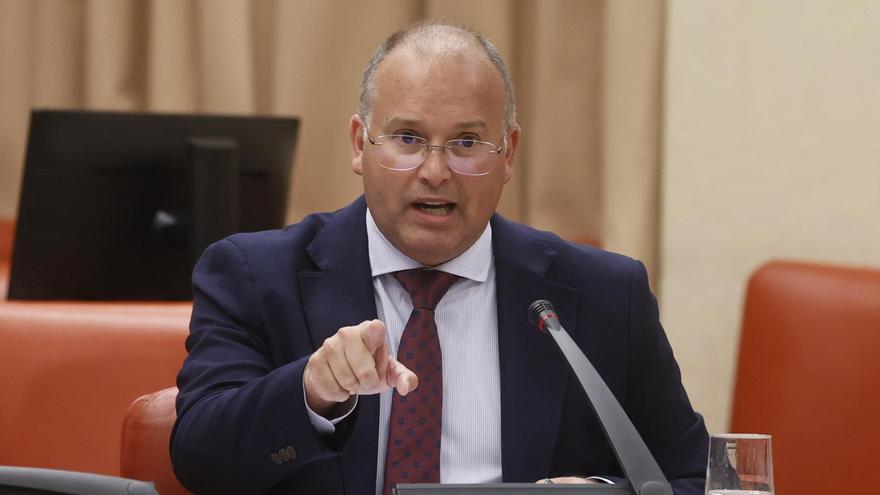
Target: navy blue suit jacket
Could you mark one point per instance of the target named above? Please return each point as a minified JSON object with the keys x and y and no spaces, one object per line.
{"x":264,"y":302}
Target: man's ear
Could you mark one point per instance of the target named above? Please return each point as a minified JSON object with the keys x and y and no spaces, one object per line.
{"x":510,"y":152}
{"x":356,"y":134}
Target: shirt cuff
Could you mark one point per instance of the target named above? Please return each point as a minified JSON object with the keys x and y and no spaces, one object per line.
{"x":326,"y":426}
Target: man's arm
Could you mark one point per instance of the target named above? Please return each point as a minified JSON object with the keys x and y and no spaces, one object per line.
{"x":638,"y":364}
{"x":657,"y":402}
{"x":243,"y":419}
{"x":235,"y":407}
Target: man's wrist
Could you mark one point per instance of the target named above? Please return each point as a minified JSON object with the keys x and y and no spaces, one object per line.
{"x":330,"y":409}
{"x":326,"y":424}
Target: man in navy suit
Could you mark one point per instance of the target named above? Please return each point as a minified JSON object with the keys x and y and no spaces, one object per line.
{"x":293,"y":373}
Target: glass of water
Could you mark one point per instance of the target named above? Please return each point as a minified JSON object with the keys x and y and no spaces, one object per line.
{"x":739,"y":464}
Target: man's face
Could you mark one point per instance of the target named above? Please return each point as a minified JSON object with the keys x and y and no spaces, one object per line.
{"x":444,"y":98}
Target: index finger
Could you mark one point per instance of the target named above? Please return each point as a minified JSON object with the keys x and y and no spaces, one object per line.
{"x":373,"y":334}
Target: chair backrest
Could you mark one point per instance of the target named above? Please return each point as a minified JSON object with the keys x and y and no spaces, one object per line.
{"x":69,"y":371}
{"x":808,"y":374}
{"x":7,"y":233}
{"x":145,"y":441}
{"x":7,"y":229}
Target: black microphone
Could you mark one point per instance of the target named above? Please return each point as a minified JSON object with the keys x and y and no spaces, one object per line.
{"x":632,"y":454}
{"x":542,"y":314}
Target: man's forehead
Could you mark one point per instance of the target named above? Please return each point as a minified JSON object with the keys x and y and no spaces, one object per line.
{"x":410,"y":88}
{"x":404,"y":65}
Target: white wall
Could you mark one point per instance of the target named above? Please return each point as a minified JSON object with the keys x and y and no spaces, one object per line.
{"x":771,"y":150}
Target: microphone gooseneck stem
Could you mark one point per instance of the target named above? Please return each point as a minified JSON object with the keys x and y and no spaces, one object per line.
{"x":632,"y":454}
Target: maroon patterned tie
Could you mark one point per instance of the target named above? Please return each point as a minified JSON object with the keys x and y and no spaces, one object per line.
{"x":413,"y":454}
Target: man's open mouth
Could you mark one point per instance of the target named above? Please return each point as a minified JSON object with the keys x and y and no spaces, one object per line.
{"x":432,"y":208}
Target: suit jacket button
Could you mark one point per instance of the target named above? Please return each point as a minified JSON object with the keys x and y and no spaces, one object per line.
{"x":275,"y":458}
{"x":285,"y":456}
{"x":290,"y":452}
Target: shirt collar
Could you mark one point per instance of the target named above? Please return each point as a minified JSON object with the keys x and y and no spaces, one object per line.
{"x":385,"y":258}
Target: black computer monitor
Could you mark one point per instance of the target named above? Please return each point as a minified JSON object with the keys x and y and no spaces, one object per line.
{"x":119,"y":205}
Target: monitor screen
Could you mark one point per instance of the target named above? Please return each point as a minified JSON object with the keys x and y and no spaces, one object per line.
{"x":119,"y":205}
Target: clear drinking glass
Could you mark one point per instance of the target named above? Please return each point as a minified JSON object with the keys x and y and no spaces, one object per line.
{"x":739,"y":464}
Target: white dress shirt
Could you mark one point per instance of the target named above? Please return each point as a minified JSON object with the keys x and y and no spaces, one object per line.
{"x":467,"y":325}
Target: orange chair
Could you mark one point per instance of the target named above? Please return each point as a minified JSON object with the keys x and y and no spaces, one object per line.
{"x":7,"y":235}
{"x":145,"y":437}
{"x":69,"y":371}
{"x":808,"y":374}
{"x":7,"y":232}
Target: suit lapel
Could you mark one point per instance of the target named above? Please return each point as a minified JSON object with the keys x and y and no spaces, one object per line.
{"x":338,"y":294}
{"x":534,"y":377}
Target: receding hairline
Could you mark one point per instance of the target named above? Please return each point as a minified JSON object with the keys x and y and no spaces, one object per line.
{"x":438,"y":39}
{"x":433,"y":39}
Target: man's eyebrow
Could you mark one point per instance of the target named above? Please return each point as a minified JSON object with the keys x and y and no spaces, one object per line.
{"x":475,"y":123}
{"x":402,"y":122}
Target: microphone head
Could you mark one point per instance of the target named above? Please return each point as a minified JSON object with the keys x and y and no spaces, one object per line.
{"x":540,"y":311}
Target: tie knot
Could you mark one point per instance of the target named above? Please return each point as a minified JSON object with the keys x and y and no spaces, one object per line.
{"x":425,"y":287}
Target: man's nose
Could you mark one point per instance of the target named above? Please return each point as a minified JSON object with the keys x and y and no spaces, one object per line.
{"x":434,"y":169}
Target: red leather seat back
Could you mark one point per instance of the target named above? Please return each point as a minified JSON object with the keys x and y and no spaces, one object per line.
{"x":145,"y":438}
{"x":809,"y":374}
{"x":7,"y":233}
{"x":69,"y":371}
{"x":7,"y":230}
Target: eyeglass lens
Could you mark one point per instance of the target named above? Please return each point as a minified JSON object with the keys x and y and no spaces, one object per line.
{"x":404,"y":152}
